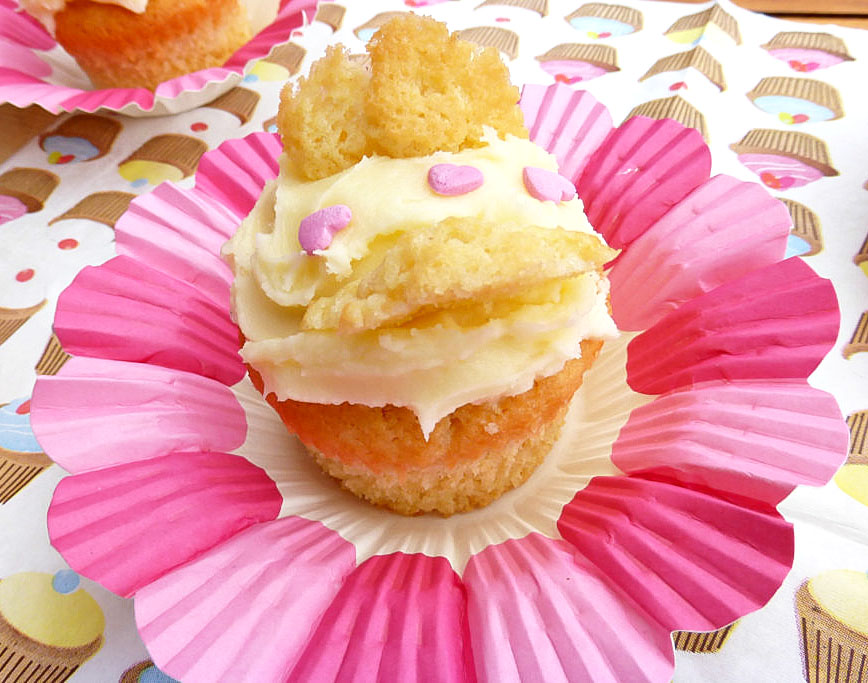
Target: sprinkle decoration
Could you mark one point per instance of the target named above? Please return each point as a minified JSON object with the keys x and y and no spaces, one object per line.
{"x":547,"y":185}
{"x":317,"y":230}
{"x":450,"y":180}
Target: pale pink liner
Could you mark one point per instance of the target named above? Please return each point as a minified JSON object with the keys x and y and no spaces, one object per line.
{"x":751,"y":439}
{"x":114,"y":403}
{"x":569,"y":123}
{"x":725,"y":228}
{"x":128,"y":525}
{"x":574,"y":623}
{"x":236,"y":612}
{"x":91,"y":524}
{"x":25,"y":87}
{"x":126,"y":310}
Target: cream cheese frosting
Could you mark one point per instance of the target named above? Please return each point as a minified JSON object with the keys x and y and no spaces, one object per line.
{"x":473,"y":351}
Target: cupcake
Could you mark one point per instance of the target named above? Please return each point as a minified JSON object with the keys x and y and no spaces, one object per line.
{"x":240,"y":102}
{"x":675,"y":108}
{"x":141,"y":43}
{"x":281,"y":63}
{"x":82,"y":137}
{"x":145,"y":672}
{"x":711,"y":22}
{"x":21,"y":456}
{"x":29,"y":187}
{"x":501,"y":39}
{"x":859,"y":341}
{"x":11,"y":319}
{"x":861,"y":258}
{"x":783,"y":159}
{"x":49,"y":626}
{"x":419,"y":291}
{"x":832,"y":614}
{"x":103,"y":207}
{"x":163,"y":157}
{"x":797,"y":100}
{"x":600,"y":20}
{"x":806,"y":237}
{"x":805,"y":52}
{"x":576,"y":62}
{"x":697,"y":58}
{"x":852,"y":478}
{"x":700,"y":642}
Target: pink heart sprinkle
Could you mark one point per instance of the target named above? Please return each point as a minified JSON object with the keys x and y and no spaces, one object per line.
{"x":317,"y":230}
{"x":678,"y":86}
{"x":450,"y":180}
{"x":547,"y":185}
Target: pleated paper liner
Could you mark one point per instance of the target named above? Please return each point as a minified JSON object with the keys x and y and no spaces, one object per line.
{"x":35,"y":70}
{"x":588,"y":566}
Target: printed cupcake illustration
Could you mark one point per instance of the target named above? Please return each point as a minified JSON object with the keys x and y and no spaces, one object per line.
{"x":501,"y":39}
{"x":861,"y":259}
{"x":164,"y":157}
{"x":797,"y":100}
{"x":83,"y":137}
{"x":53,"y":357}
{"x":832,"y":624}
{"x":702,"y":641}
{"x":541,"y":7}
{"x":710,"y":24}
{"x":283,"y":61}
{"x":674,"y":107}
{"x":577,"y":62}
{"x":599,"y":20}
{"x":805,"y":52}
{"x":145,"y":672}
{"x":240,"y":102}
{"x":13,"y":318}
{"x":697,"y":58}
{"x":806,"y":237}
{"x":331,"y":14}
{"x":852,"y":478}
{"x":24,"y":190}
{"x":21,"y":456}
{"x":369,"y":28}
{"x":103,"y":207}
{"x":859,"y":341}
{"x":783,"y":159}
{"x":49,"y":626}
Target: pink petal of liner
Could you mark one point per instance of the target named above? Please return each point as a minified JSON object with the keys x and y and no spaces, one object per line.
{"x":775,"y":323}
{"x":244,"y":610}
{"x":451,"y":180}
{"x":317,"y":230}
{"x":180,"y":233}
{"x":547,"y":186}
{"x":235,"y":173}
{"x":540,"y":612}
{"x":568,"y":123}
{"x":124,"y":310}
{"x":692,"y":560}
{"x":722,"y":230}
{"x":641,"y":171}
{"x":100,"y":413}
{"x":750,"y":439}
{"x":397,"y":618}
{"x":19,"y":27}
{"x":128,"y":525}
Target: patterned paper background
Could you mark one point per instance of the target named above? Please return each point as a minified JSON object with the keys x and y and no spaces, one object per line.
{"x":778,"y":103}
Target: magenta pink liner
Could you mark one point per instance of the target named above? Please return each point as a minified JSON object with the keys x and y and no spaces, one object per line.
{"x":233,"y":613}
{"x":23,"y":83}
{"x":688,"y":538}
{"x":126,"y":526}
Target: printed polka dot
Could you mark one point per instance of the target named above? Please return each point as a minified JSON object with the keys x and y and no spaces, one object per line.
{"x":502,"y":20}
{"x":25,"y":275}
{"x":139,"y":182}
{"x":68,"y":243}
{"x":251,"y":78}
{"x":199,"y":126}
{"x":681,"y":85}
{"x":23,"y":409}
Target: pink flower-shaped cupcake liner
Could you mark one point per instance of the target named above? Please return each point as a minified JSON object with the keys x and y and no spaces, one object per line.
{"x":34,"y":69}
{"x":246,"y":563}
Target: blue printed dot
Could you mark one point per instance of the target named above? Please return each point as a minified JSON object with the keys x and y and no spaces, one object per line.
{"x":153,"y":675}
{"x":272,"y":128}
{"x":250,"y":78}
{"x":139,"y":182}
{"x":65,"y":581}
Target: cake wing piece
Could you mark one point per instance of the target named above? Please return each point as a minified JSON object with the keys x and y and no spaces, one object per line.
{"x":457,"y":261}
